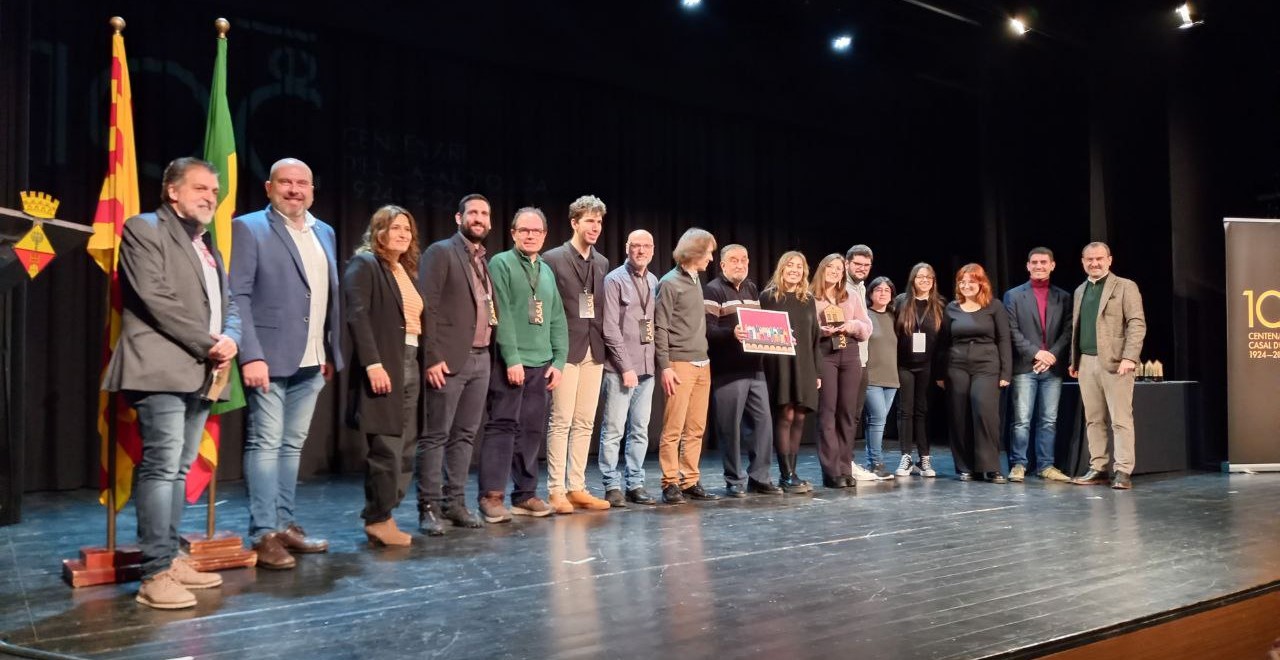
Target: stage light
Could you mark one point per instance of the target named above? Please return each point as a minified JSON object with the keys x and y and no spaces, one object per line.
{"x":1189,"y":18}
{"x":690,"y":4}
{"x":1018,"y":26}
{"x":842,"y":43}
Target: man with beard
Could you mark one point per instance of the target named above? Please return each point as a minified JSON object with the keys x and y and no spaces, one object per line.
{"x":858,"y":268}
{"x":738,"y":388}
{"x":284,"y":279}
{"x":178,"y":328}
{"x":461,"y":314}
{"x":579,"y":271}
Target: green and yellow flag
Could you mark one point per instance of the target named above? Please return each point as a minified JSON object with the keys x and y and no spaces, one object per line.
{"x":219,"y":149}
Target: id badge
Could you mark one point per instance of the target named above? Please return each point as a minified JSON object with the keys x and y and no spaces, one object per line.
{"x":839,"y":342}
{"x":586,"y":305}
{"x":493,"y":311}
{"x":535,"y":311}
{"x":917,"y":342}
{"x":646,"y":331}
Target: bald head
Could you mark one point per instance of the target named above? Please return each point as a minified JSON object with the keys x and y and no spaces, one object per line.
{"x":291,"y":190}
{"x":639,"y":249}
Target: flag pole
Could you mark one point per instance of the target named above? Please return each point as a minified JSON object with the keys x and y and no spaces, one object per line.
{"x":117,"y":25}
{"x":222,"y":26}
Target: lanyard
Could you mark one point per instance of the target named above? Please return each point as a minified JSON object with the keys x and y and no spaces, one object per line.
{"x":644,"y":300}
{"x":533,"y":278}
{"x":481,"y":271}
{"x":589,"y":284}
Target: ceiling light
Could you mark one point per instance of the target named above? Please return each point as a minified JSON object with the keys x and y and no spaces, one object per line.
{"x":1018,"y":27}
{"x":690,"y":4}
{"x":1188,"y":16}
{"x":842,"y":43}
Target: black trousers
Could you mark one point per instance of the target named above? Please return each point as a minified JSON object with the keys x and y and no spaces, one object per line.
{"x":390,"y":461}
{"x":447,"y":439}
{"x":841,"y":373}
{"x":973,"y":407}
{"x":913,"y":409}
{"x":515,"y":433}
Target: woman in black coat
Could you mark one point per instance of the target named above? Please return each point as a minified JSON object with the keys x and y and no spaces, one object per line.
{"x":385,"y":316}
{"x":793,"y":381}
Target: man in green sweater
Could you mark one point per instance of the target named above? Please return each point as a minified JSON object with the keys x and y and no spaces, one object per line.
{"x":532,"y":343}
{"x":1108,"y":326}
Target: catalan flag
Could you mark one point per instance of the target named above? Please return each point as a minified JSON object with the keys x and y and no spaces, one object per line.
{"x":219,"y":149}
{"x":117,"y":202}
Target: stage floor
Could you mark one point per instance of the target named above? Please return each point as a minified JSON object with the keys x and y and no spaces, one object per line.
{"x":908,"y":568}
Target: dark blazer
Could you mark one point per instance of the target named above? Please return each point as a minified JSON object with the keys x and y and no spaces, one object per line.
{"x":375,"y":319}
{"x":444,"y":275}
{"x":164,"y":325}
{"x":1121,"y":323}
{"x":1025,"y":330}
{"x":583,"y":333}
{"x":269,"y":285}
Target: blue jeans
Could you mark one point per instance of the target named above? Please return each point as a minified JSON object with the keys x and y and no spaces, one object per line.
{"x":879,"y":401}
{"x":278,"y":423}
{"x":625,"y":409}
{"x":1034,"y":392}
{"x":171,"y":426}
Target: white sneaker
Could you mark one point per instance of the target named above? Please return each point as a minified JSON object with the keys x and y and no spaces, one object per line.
{"x":904,"y":466}
{"x":863,"y":474}
{"x":926,"y":466}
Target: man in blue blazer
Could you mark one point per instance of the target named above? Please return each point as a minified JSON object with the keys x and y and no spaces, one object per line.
{"x":284,"y":279}
{"x":1040,"y":327}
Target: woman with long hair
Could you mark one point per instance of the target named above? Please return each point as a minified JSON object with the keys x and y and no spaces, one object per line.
{"x":842,"y":323}
{"x":882,"y":364}
{"x":917,"y":320}
{"x":977,"y":355}
{"x":385,"y":316}
{"x":793,"y":381}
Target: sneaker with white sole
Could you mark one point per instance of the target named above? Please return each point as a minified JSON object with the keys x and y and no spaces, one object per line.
{"x":863,"y":474}
{"x":1017,"y":473}
{"x":904,"y":466}
{"x":926,"y":466}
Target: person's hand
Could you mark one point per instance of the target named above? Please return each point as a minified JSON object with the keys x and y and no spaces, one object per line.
{"x":379,"y":380}
{"x":553,"y":378}
{"x":1071,"y":371}
{"x":819,"y":383}
{"x":942,"y":384}
{"x":326,"y":371}
{"x":435,"y":375}
{"x":739,"y":333}
{"x":669,"y":381}
{"x":827,"y":330}
{"x":223,"y":348}
{"x":256,"y":374}
{"x":1004,"y":383}
{"x":629,"y":379}
{"x":515,"y":375}
{"x":1127,"y":366}
{"x":1046,"y":357}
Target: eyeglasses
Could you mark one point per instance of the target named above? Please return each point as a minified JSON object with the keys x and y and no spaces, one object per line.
{"x":531,"y":231}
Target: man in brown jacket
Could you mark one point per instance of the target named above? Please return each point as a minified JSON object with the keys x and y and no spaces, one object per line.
{"x":1105,"y":350}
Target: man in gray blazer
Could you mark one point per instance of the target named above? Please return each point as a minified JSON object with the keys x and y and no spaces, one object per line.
{"x":284,"y":280}
{"x":178,"y":328}
{"x":1108,"y":326}
{"x":461,"y":315}
{"x":1041,"y":337}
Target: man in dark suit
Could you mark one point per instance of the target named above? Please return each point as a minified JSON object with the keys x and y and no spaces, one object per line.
{"x":284,"y":280}
{"x":178,"y":328}
{"x":1108,"y":327}
{"x":1041,"y":340}
{"x":461,"y":313}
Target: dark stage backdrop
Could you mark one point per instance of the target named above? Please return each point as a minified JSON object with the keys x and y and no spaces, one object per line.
{"x":976,"y":150}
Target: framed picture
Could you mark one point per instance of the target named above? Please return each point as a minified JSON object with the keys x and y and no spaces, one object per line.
{"x":767,"y":331}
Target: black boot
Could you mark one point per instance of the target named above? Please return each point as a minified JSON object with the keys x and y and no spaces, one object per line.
{"x":794,"y":484}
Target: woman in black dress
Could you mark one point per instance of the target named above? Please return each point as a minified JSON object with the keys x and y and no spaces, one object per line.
{"x":977,"y":360}
{"x":793,"y":381}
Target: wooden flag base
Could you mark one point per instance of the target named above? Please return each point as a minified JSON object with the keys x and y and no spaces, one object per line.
{"x":103,"y":566}
{"x":224,"y":551}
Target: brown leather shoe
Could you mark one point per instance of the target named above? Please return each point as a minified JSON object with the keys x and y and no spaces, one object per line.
{"x":560,"y":503}
{"x":295,"y":540}
{"x":581,"y":499}
{"x":386,"y":533}
{"x":271,"y":553}
{"x":1091,"y":478}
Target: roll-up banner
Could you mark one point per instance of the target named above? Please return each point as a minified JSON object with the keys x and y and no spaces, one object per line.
{"x":1253,"y":345}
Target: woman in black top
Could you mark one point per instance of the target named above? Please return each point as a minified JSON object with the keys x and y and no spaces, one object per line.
{"x":978,"y":360}
{"x":919,"y":317}
{"x":793,"y":381}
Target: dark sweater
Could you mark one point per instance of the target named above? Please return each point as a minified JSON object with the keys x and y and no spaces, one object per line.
{"x":722,"y":301}
{"x":574,"y":275}
{"x":908,"y":358}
